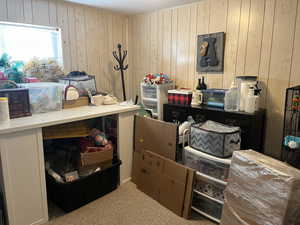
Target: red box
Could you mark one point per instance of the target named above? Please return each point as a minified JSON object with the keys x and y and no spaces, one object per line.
{"x":31,"y":80}
{"x":180,"y":97}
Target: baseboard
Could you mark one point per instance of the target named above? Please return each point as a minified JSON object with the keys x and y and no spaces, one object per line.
{"x":126,"y":180}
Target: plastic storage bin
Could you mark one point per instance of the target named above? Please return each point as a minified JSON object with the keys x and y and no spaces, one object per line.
{"x":180,"y":97}
{"x":149,"y":91}
{"x":215,"y":138}
{"x":151,"y":105}
{"x":209,"y":187}
{"x":214,"y":97}
{"x":206,"y":164}
{"x":45,"y":96}
{"x":207,"y":207}
{"x":81,"y":81}
{"x":73,"y":195}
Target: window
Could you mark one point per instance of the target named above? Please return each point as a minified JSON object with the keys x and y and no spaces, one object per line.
{"x":23,"y":42}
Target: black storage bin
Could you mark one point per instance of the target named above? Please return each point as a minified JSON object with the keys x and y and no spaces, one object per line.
{"x":73,"y":195}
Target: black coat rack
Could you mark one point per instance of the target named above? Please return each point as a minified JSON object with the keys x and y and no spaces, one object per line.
{"x":121,"y":58}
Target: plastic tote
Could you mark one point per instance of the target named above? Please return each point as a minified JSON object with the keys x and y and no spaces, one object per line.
{"x":215,"y":138}
{"x":75,"y":194}
{"x":45,"y":96}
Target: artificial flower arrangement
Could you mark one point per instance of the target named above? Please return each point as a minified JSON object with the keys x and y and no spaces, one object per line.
{"x":158,"y":78}
{"x":11,"y":70}
{"x":44,"y":69}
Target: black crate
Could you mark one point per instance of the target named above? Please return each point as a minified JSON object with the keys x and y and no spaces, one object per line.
{"x":73,"y":195}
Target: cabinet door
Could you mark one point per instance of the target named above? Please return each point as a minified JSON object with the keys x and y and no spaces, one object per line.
{"x":23,"y":177}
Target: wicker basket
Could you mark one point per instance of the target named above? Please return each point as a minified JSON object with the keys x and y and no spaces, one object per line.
{"x":68,"y":130}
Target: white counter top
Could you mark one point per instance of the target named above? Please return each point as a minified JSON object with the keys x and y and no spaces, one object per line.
{"x":60,"y":117}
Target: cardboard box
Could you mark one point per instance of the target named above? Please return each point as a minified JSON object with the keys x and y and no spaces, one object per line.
{"x":164,"y":180}
{"x":155,"y":136}
{"x":261,"y":191}
{"x":92,"y":158}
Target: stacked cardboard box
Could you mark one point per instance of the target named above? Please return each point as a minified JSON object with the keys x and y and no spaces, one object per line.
{"x":261,"y":191}
{"x":154,"y":170}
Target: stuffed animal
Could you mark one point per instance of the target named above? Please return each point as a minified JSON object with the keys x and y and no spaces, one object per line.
{"x":99,"y":137}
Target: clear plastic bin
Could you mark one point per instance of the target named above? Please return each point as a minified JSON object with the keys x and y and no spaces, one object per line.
{"x":149,"y":91}
{"x":207,"y":164}
{"x":83,"y":83}
{"x":209,"y":187}
{"x":45,"y":96}
{"x":207,"y":206}
{"x":152,"y":105}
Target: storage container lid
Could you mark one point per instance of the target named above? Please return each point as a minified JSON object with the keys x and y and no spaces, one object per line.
{"x":218,"y":127}
{"x":213,"y":90}
{"x":180,"y":91}
{"x":41,"y":85}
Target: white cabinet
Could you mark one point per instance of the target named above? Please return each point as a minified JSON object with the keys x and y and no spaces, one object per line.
{"x":23,"y":177}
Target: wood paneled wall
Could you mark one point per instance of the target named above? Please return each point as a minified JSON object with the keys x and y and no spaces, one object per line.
{"x":262,"y":38}
{"x":89,"y":35}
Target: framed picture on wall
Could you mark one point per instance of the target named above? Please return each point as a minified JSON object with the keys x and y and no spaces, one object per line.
{"x":210,"y":53}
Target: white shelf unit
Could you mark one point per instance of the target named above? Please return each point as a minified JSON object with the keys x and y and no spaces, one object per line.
{"x":153,"y":97}
{"x":208,"y":177}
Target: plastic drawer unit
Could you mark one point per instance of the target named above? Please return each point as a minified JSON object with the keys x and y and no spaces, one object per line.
{"x":206,"y":164}
{"x":149,"y":91}
{"x":210,"y":188}
{"x":207,"y":207}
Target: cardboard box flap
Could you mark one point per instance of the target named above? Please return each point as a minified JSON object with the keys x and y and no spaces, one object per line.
{"x":156,"y":136}
{"x":164,"y":180}
{"x":172,"y":194}
{"x":175,"y":171}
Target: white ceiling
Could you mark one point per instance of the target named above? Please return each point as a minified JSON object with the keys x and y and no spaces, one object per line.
{"x":133,"y":6}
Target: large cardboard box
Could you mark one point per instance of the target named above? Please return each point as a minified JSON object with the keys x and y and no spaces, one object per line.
{"x":261,"y":191}
{"x":164,"y":180}
{"x":155,"y":136}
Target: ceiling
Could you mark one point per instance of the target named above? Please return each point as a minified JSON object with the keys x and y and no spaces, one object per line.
{"x":133,"y":6}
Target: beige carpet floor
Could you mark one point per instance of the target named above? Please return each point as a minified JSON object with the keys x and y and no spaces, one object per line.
{"x":125,"y":206}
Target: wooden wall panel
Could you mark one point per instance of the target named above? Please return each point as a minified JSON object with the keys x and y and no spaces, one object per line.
{"x":232,"y":38}
{"x":3,"y":10}
{"x":174,"y":40}
{"x":295,"y":75}
{"x":280,"y":67}
{"x":266,"y":48}
{"x":184,"y":18}
{"x":15,"y":12}
{"x":203,"y":17}
{"x":262,"y":38}
{"x":28,"y":17}
{"x":243,"y":37}
{"x":63,"y":24}
{"x":254,"y":41}
{"x":40,"y":12}
{"x":166,"y":41}
{"x":72,"y":37}
{"x":192,"y":49}
{"x":217,"y":23}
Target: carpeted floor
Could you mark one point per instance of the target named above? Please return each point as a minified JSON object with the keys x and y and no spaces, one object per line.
{"x":125,"y":206}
